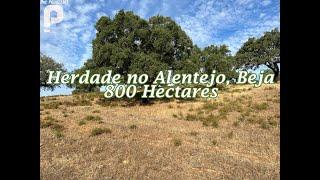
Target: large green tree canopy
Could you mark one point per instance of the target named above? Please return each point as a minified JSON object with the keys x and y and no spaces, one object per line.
{"x":218,"y":58}
{"x":130,"y":44}
{"x":46,"y":64}
{"x":262,"y":51}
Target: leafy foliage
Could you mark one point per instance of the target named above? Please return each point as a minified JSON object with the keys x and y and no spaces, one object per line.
{"x":264,"y":50}
{"x":218,"y":58}
{"x":80,"y":88}
{"x":130,"y":44}
{"x":46,"y":64}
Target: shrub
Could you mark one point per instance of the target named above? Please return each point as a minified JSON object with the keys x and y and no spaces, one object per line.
{"x":82,"y":122}
{"x":52,"y":105}
{"x":211,"y":120}
{"x":49,"y":118}
{"x":230,"y":135}
{"x":57,"y":127}
{"x":93,"y":118}
{"x":251,"y":119}
{"x":50,"y":122}
{"x":236,"y":90}
{"x":200,"y":112}
{"x":214,"y":142}
{"x":96,"y":111}
{"x":242,"y":118}
{"x":78,"y":102}
{"x":45,"y":124}
{"x":269,"y":88}
{"x":264,"y":125}
{"x":58,"y":134}
{"x":276,"y":100}
{"x":214,"y":124}
{"x":177,"y":142}
{"x":269,"y":99}
{"x":247,"y":113}
{"x":224,"y":111}
{"x":191,"y":117}
{"x":210,"y":106}
{"x":261,"y":106}
{"x":90,"y":95}
{"x":206,"y":123}
{"x":273,"y":122}
{"x":99,"y":131}
{"x":82,"y":102}
{"x":194,"y":133}
{"x":103,"y":102}
{"x":133,"y":126}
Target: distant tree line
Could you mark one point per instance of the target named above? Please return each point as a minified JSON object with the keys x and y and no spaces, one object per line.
{"x":129,"y":44}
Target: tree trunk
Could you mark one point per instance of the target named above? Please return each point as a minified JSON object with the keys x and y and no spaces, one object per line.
{"x":276,"y":75}
{"x":276,"y":72}
{"x":274,"y":67}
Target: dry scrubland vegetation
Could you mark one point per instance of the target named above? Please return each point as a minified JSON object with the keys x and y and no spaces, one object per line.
{"x":233,"y":137}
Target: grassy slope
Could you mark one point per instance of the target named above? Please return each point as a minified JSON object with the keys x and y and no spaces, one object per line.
{"x":158,"y":142}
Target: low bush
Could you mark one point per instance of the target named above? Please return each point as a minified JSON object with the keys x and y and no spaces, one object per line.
{"x":99,"y":131}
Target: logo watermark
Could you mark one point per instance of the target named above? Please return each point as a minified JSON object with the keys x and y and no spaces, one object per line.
{"x":53,"y":12}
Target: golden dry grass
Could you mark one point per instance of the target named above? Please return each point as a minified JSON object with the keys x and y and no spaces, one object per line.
{"x":157,"y":142}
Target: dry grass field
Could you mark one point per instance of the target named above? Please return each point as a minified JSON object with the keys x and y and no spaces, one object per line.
{"x":236,"y":136}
